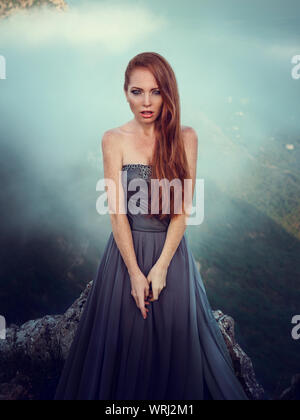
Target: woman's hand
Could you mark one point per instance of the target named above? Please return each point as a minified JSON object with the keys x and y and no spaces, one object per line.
{"x":140,"y":291}
{"x":157,"y":276}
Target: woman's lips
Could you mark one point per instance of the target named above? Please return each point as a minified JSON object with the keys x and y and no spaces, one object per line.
{"x":147,"y":114}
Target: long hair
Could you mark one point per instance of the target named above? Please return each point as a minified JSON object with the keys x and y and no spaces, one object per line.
{"x":169,"y":157}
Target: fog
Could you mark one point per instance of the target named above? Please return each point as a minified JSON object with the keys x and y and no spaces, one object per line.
{"x":64,"y":76}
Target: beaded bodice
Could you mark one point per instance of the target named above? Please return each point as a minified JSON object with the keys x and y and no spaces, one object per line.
{"x":143,"y":170}
{"x":139,"y":221}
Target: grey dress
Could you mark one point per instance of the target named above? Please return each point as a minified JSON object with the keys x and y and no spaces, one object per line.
{"x":176,"y":353}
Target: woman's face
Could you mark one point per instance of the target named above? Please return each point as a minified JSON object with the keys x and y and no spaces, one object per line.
{"x":143,"y":94}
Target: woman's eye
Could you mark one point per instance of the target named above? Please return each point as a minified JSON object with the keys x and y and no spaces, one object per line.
{"x":137,"y":92}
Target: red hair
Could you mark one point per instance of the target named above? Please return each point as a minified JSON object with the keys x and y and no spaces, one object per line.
{"x":169,"y":157}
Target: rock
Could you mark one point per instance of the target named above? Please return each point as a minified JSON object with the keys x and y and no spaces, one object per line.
{"x":32,"y":356}
{"x":9,"y":7}
{"x":242,"y":363}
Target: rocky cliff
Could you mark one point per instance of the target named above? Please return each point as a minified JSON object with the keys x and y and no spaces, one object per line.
{"x":32,"y":355}
{"x":9,"y":7}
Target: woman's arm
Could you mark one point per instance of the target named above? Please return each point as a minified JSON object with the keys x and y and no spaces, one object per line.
{"x":177,"y":225}
{"x":112,"y":162}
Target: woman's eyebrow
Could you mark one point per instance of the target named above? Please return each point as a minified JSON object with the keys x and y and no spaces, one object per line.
{"x":135,"y":87}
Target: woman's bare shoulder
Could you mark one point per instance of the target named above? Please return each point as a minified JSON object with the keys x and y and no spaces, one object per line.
{"x":113,"y":136}
{"x":190,"y":140}
{"x":119,"y":133}
{"x":115,"y":140}
{"x":189,"y":135}
{"x":187,"y":130}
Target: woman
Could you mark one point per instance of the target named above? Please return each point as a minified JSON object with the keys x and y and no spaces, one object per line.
{"x":147,"y":330}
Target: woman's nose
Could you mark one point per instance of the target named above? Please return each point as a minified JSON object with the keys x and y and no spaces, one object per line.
{"x":147,"y":100}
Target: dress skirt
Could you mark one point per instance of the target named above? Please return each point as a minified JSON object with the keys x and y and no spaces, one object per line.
{"x":177,"y":353}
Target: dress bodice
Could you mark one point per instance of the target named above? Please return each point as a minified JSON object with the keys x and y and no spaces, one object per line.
{"x":136,"y":172}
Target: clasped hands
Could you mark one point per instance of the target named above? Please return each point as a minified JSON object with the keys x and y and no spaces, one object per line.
{"x":147,"y":289}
